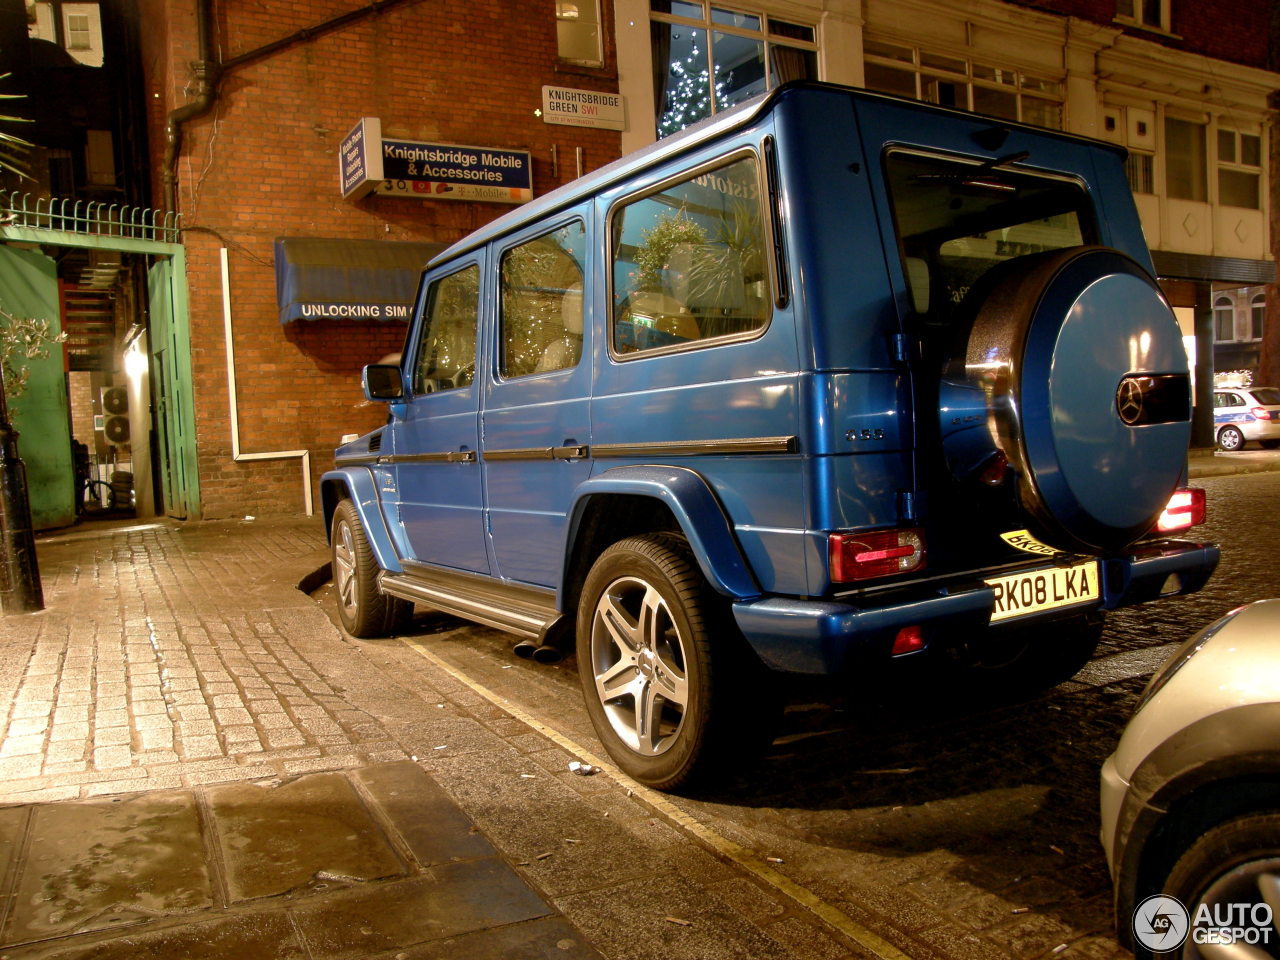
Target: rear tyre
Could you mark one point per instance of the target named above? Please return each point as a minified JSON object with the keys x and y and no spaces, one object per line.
{"x":1036,"y":658}
{"x":669,"y":702}
{"x":365,"y":611}
{"x":1230,"y":439}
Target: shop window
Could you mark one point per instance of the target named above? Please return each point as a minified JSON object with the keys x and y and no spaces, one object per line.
{"x":1140,"y":170}
{"x":1186,"y":176}
{"x":992,"y":89}
{"x":1239,"y":169}
{"x":578,"y":31}
{"x":707,"y":58}
{"x":1257,"y":316}
{"x":1224,"y":320}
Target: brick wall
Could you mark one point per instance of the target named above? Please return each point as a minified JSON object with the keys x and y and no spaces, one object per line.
{"x":1231,"y":30}
{"x":262,"y":164}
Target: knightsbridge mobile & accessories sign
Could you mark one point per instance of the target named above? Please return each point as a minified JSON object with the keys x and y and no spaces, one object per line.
{"x":440,"y":171}
{"x":368,"y":162}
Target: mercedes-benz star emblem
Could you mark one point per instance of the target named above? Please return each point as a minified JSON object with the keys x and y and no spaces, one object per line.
{"x":1129,"y":400}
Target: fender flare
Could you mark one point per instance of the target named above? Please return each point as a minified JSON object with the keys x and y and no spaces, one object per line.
{"x":359,"y":486}
{"x":697,"y":510}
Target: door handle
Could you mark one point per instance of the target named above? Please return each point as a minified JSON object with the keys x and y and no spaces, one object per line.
{"x":573,"y":451}
{"x":461,"y":456}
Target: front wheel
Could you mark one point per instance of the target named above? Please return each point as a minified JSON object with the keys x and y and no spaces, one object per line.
{"x":365,"y":611}
{"x":665,"y":699}
{"x":1232,"y":874}
{"x":1230,"y":438}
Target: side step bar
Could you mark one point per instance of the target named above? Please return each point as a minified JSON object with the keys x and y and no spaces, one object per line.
{"x":521,"y":611}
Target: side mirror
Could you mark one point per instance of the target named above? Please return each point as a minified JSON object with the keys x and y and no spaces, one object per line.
{"x":382,"y":382}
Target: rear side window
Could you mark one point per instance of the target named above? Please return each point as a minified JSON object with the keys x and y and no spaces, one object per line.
{"x":690,"y":262}
{"x":1267,"y":396}
{"x":542,"y":302}
{"x":447,"y":355}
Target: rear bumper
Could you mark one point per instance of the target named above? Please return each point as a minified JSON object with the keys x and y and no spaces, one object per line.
{"x":826,"y":636}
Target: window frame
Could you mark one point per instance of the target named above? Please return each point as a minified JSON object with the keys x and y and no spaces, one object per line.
{"x":419,"y":330}
{"x":499,"y":327}
{"x":709,"y":26}
{"x":1237,"y":164}
{"x":598,"y":60}
{"x":923,"y":74}
{"x":767,"y":240}
{"x":1224,"y":305}
{"x":1138,"y":15}
{"x":1257,"y":317}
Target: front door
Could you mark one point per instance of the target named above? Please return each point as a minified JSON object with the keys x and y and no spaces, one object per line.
{"x":435,"y":434}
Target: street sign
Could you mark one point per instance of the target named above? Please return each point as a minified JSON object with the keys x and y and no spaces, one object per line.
{"x":583,"y":108}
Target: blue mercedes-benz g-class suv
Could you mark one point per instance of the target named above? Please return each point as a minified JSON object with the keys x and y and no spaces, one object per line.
{"x":830,"y":379}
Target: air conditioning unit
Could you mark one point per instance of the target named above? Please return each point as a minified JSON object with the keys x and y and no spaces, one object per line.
{"x":115,"y":415}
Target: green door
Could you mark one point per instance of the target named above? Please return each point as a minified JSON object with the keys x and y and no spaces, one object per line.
{"x":171,"y":387}
{"x":41,"y":415}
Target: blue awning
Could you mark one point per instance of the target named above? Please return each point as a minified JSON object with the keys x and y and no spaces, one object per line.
{"x":319,"y":279}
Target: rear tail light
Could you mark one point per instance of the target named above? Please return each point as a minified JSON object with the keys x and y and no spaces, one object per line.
{"x":1262,"y":413}
{"x":1186,"y":509}
{"x":879,"y":553}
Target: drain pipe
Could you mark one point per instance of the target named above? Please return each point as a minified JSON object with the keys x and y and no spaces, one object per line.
{"x":206,"y":73}
{"x":236,"y":455}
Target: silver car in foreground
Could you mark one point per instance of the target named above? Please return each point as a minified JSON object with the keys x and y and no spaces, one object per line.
{"x":1191,"y":798}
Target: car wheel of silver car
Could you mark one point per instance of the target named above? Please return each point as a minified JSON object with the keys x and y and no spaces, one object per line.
{"x":660,"y":691}
{"x":1230,"y":438}
{"x":365,"y":611}
{"x":1232,"y":871}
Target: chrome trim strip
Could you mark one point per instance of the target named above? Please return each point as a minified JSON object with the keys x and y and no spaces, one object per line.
{"x":356,"y":460}
{"x":689,"y":448}
{"x":449,"y":456}
{"x":519,"y":453}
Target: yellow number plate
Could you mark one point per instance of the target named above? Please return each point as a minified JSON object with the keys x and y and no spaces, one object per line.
{"x":1040,"y":590}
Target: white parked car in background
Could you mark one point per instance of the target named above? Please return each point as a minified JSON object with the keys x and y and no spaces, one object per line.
{"x":1191,"y":797}
{"x":1241,"y":415}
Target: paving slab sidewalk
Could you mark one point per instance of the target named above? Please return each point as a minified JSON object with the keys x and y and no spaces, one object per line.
{"x":194,"y":762}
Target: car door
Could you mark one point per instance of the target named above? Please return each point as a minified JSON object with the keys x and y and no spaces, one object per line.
{"x":536,"y":426}
{"x":435,"y":434}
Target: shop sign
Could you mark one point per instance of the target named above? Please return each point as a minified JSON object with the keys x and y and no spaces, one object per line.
{"x":583,"y":108}
{"x":367,"y":163}
{"x":437,"y":171}
{"x":360,"y":159}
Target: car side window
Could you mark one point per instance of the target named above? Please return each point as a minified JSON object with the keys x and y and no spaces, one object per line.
{"x":1227,"y":400}
{"x":447,"y":352}
{"x":542,"y":302}
{"x":690,"y":262}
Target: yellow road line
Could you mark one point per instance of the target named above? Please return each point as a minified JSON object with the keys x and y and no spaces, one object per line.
{"x":726,"y":848}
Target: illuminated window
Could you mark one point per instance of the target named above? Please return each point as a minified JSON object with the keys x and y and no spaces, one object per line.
{"x":707,"y":58}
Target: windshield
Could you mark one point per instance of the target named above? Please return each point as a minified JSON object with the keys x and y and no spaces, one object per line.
{"x":956,"y":220}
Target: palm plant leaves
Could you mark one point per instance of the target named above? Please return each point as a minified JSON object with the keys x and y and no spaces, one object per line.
{"x":13,"y":148}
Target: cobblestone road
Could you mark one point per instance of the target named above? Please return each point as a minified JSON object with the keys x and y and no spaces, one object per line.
{"x":953,"y":826}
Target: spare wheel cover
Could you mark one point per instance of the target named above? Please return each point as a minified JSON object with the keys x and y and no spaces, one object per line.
{"x":1088,"y":388}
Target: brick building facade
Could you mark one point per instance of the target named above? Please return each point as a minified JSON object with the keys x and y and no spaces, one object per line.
{"x":256,"y":151}
{"x":260,"y":162}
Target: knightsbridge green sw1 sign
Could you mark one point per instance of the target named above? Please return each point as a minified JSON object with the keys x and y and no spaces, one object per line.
{"x":431,"y":171}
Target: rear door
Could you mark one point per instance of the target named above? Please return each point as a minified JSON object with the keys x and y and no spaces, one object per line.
{"x":435,"y":434}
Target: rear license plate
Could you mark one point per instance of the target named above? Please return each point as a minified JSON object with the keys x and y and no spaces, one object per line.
{"x":1025,"y":593}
